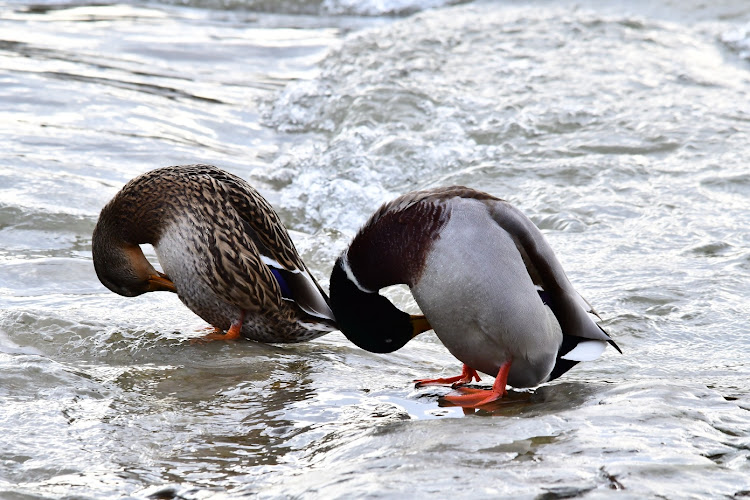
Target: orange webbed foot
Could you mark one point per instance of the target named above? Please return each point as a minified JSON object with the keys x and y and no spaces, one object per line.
{"x":472,"y":398}
{"x":467,"y":375}
{"x":478,"y":397}
{"x":234,"y":333}
{"x":217,"y":334}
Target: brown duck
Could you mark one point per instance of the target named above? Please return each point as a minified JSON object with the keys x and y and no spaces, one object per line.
{"x":223,"y":249}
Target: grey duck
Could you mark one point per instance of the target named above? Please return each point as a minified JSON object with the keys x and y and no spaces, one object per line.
{"x":486,"y":280}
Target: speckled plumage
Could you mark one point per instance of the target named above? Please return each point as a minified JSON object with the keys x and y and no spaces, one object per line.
{"x":484,"y":276}
{"x":217,"y":240}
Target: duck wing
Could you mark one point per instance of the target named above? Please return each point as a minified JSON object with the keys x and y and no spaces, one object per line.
{"x":267,"y":249}
{"x":574,"y":313}
{"x":583,"y":338}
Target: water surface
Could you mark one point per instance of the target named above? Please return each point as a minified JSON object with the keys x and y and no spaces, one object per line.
{"x":621,"y":131}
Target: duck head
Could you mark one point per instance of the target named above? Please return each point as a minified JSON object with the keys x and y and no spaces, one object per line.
{"x":121,"y":266}
{"x":365,"y":317}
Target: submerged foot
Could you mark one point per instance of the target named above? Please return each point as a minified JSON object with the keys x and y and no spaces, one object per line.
{"x":471,"y":398}
{"x":478,"y":397}
{"x":467,"y":375}
{"x":233,"y":333}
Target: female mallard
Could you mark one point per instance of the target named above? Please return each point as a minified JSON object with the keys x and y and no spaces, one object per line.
{"x":223,"y":249}
{"x":486,"y":280}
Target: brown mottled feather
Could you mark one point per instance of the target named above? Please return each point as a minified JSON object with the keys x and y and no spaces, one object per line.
{"x":225,"y":226}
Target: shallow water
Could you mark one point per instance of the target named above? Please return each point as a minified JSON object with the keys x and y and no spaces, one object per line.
{"x":621,"y":131}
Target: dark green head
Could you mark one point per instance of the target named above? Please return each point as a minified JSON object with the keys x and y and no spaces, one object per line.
{"x":367,"y":318}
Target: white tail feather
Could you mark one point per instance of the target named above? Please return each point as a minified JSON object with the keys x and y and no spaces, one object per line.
{"x":587,"y":350}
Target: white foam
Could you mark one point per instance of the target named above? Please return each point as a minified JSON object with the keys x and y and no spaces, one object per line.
{"x":380,"y":7}
{"x":738,"y":40}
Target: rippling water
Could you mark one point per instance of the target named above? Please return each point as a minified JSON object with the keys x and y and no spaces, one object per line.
{"x":622,"y":132}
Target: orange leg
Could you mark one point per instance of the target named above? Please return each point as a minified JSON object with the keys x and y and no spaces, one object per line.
{"x":233,"y":333}
{"x":466,"y":376}
{"x":479,"y":397}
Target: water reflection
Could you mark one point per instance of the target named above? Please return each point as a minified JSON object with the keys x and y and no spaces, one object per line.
{"x":549,"y":399}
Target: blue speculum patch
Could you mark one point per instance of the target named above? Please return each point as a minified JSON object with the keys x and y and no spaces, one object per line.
{"x":286,"y":292}
{"x":545,"y":296}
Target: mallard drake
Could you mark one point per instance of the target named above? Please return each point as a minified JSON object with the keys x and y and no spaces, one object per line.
{"x":486,"y":280}
{"x":223,"y":250}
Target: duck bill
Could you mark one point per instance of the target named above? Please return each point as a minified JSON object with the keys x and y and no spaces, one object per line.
{"x":160,"y":283}
{"x":419,"y":324}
